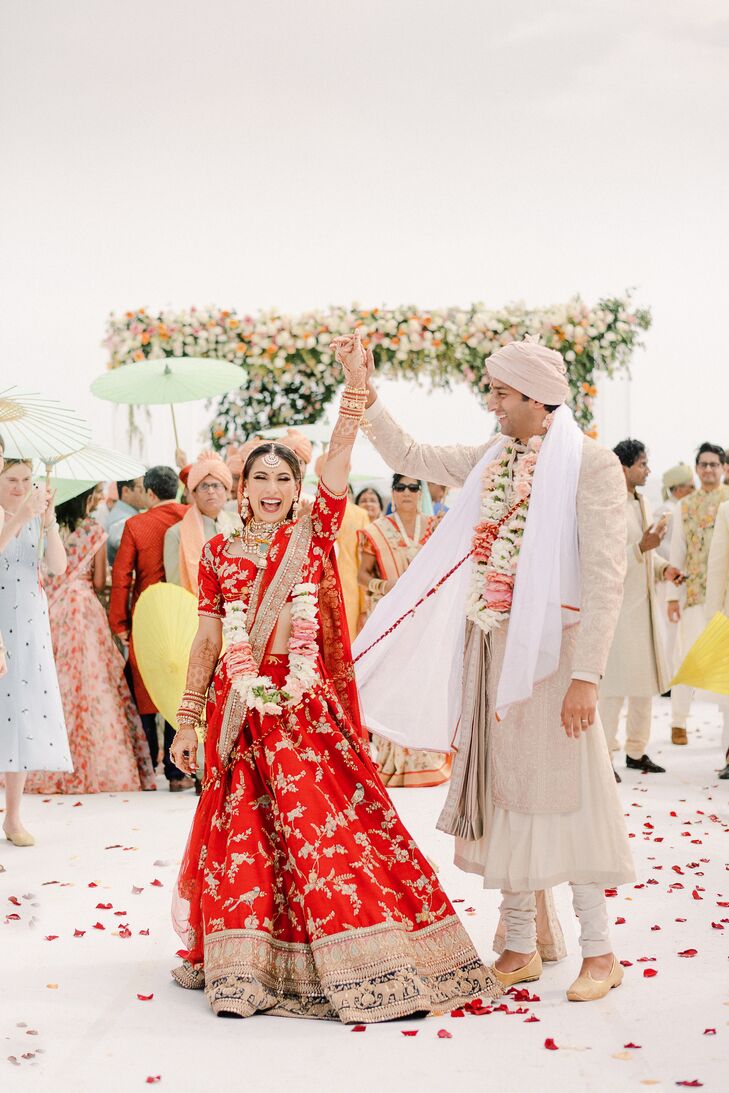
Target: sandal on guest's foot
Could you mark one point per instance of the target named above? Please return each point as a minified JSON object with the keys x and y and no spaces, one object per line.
{"x":20,"y":837}
{"x":587,"y":989}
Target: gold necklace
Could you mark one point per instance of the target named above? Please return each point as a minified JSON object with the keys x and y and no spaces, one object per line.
{"x":257,"y":538}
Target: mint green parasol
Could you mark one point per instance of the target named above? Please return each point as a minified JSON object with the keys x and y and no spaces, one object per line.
{"x":168,"y":380}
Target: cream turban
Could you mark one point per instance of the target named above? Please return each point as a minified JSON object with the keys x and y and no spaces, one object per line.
{"x":209,"y":463}
{"x":299,"y":444}
{"x":532,"y":369}
{"x":680,"y":475}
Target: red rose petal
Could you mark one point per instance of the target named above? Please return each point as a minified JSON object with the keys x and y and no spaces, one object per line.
{"x":52,"y":937}
{"x":124,"y":931}
{"x":12,"y":918}
{"x":680,"y":920}
{"x":359,"y":1028}
{"x":156,"y":884}
{"x":717,"y":926}
{"x":99,"y":926}
{"x":79,"y":933}
{"x":443,"y":1034}
{"x":688,"y":952}
{"x":153,"y":1079}
{"x":409,"y":1031}
{"x":654,"y":928}
{"x":93,"y":884}
{"x":619,"y":921}
{"x":635,"y":1047}
{"x":693,"y":1084}
{"x":15,"y":901}
{"x":78,"y":804}
{"x":695,"y":894}
{"x":531,"y":1019}
{"x":144,"y":933}
{"x":550,"y":1044}
{"x":709,"y":1032}
{"x":457,"y":1013}
{"x":627,"y":963}
{"x":648,"y":973}
{"x":611,"y":892}
{"x":145,"y":997}
{"x":103,"y":906}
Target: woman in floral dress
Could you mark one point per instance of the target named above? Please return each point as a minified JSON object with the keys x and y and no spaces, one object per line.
{"x":301,"y":894}
{"x":108,"y":745}
{"x":388,"y":547}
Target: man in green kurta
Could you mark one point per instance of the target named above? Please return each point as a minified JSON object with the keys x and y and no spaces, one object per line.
{"x":690,"y":544}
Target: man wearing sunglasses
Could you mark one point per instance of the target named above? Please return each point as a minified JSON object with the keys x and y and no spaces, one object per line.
{"x":693,"y":529}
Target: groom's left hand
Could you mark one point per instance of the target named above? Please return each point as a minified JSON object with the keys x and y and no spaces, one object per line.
{"x":579,"y":707}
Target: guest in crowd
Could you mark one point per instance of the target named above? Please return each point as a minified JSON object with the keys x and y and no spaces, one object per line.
{"x":677,"y":483}
{"x":132,"y":499}
{"x":438,"y":496}
{"x":636,"y":668}
{"x":209,"y":482}
{"x":389,"y":545}
{"x":234,"y":463}
{"x":717,"y":599}
{"x":370,"y":500}
{"x":103,"y":512}
{"x":140,"y":563}
{"x":32,"y":728}
{"x":108,"y":746}
{"x":690,"y":544}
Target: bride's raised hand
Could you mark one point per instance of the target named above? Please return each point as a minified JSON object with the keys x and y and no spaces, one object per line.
{"x":352,"y":356}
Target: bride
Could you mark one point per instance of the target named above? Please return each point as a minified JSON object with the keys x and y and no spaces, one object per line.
{"x":300,"y":894}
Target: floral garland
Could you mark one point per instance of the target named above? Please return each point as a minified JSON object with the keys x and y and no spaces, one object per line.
{"x":256,"y":691}
{"x":498,"y":534}
{"x":288,"y":370}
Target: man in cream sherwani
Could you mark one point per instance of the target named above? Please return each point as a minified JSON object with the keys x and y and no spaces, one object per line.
{"x":717,"y":599}
{"x":636,"y":668}
{"x":533,"y":801}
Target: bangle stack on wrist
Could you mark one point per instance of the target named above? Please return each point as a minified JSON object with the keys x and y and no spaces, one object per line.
{"x":191,"y":710}
{"x":353,"y":402}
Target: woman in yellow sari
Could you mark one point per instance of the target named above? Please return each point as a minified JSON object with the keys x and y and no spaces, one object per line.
{"x":388,"y":546}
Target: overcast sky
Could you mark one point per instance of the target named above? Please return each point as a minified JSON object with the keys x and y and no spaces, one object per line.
{"x":401,"y":151}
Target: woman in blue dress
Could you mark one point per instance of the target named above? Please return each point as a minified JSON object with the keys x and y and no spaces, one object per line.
{"x":32,"y":728}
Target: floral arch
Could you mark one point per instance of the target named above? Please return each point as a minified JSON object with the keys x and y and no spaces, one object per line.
{"x":288,"y":371}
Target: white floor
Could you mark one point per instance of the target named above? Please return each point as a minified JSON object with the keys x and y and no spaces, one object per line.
{"x":71,"y":1018}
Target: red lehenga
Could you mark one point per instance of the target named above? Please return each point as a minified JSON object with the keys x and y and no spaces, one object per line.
{"x":301,"y":894}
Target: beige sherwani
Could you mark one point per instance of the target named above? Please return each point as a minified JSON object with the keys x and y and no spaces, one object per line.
{"x":717,"y":577}
{"x":552,"y":813}
{"x":636,"y":668}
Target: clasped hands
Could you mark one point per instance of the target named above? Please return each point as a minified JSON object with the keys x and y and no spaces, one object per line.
{"x":357,"y":362}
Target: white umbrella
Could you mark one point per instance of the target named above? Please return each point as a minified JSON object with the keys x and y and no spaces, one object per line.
{"x":84,"y":469}
{"x":37,"y":428}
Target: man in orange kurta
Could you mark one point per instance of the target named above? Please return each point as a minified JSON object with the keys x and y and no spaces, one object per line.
{"x":139,"y":564}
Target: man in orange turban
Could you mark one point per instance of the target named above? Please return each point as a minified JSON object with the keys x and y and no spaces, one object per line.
{"x":209,"y":482}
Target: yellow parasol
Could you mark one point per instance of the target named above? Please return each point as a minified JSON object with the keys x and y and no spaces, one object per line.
{"x":165,"y":622}
{"x":706,"y":664}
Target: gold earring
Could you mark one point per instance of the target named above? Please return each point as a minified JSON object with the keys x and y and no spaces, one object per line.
{"x":244,"y":506}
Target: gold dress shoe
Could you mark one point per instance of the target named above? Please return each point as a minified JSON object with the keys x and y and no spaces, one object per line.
{"x":678,"y":736}
{"x":20,"y":838}
{"x":587,"y":989}
{"x":527,"y":974}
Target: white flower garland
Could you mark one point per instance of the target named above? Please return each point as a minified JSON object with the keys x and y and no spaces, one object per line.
{"x":256,"y":691}
{"x":497,"y":537}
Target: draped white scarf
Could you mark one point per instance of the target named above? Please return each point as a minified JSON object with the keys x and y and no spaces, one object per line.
{"x":410,"y":682}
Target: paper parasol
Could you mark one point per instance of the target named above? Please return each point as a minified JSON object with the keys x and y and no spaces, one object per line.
{"x":164,"y":624}
{"x":37,"y":428}
{"x":168,"y":380}
{"x":88,"y":466}
{"x":706,"y":664}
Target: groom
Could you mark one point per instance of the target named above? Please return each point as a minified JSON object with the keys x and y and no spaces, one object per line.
{"x":514,"y":641}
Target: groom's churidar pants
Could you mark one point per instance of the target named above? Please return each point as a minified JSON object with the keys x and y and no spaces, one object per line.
{"x":520,"y":916}
{"x":637,"y":725}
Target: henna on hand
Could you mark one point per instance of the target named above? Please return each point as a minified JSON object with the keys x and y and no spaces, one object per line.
{"x":201,"y":666}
